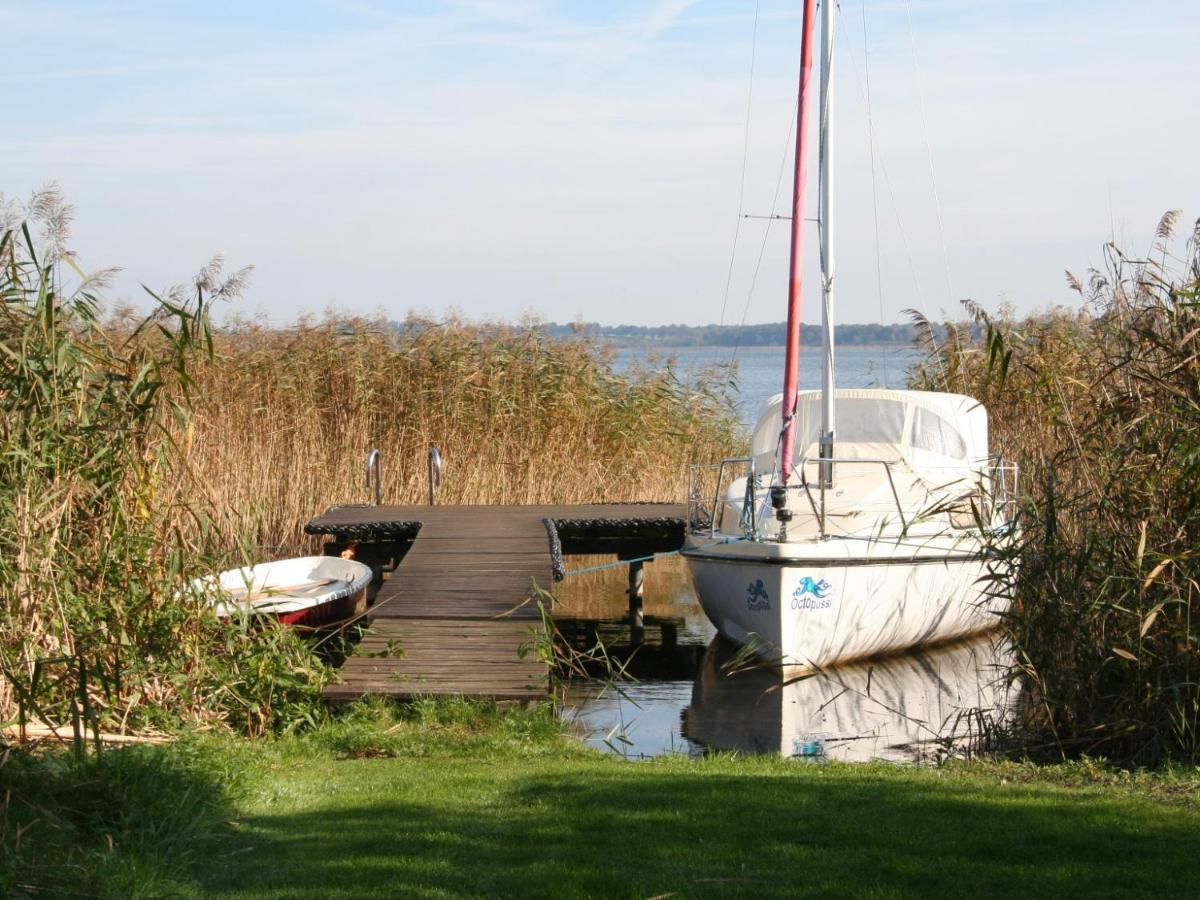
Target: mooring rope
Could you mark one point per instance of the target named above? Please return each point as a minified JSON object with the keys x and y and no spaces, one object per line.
{"x":653,"y":556}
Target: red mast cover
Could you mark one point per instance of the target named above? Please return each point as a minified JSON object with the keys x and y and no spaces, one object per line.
{"x":795,"y":278}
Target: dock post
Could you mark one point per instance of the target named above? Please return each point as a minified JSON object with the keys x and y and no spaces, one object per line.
{"x":637,"y":584}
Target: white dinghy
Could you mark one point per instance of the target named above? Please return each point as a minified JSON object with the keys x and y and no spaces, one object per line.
{"x":865,"y":521}
{"x":309,"y":590}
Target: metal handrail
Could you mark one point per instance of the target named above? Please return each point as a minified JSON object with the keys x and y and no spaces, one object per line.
{"x":994,"y":471}
{"x":830,"y":461}
{"x":435,"y":474}
{"x":373,"y":467}
{"x":695,"y":501}
{"x":1002,"y":495}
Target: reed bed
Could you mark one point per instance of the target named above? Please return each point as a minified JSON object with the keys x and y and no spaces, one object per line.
{"x":99,"y":626}
{"x":1101,"y":407}
{"x":285,"y":419}
{"x":137,"y":454}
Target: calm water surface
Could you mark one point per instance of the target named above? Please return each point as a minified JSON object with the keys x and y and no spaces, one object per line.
{"x":919,"y":707}
{"x":913,"y":708}
{"x":760,"y":369}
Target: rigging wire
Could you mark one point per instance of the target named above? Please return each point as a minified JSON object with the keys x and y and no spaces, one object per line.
{"x":745,"y":157}
{"x":737,"y":346}
{"x":877,"y":153}
{"x":937,"y":203}
{"x":874,"y":186}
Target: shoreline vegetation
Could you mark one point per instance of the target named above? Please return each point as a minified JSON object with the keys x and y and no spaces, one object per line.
{"x":1100,"y":405}
{"x":142,"y":452}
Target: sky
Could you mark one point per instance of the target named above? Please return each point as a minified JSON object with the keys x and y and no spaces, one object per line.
{"x":583,"y":160}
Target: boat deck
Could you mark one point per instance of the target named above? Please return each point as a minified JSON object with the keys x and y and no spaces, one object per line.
{"x":454,"y":615}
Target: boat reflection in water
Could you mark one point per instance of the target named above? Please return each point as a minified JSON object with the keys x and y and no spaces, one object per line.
{"x":917,"y":707}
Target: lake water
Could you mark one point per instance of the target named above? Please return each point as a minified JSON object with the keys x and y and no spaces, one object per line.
{"x":759,"y":370}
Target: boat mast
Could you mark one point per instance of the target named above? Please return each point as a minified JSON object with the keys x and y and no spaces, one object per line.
{"x":825,"y":226}
{"x":795,"y":264}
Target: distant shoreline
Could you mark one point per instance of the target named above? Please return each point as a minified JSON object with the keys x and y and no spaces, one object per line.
{"x":767,"y":348}
{"x":770,"y":334}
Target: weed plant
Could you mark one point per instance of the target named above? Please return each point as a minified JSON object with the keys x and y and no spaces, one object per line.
{"x":97,"y":546}
{"x":139,"y":452}
{"x":1101,"y":407}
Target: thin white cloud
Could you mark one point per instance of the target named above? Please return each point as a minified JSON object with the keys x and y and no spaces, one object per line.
{"x":664,"y":14}
{"x":501,"y":156}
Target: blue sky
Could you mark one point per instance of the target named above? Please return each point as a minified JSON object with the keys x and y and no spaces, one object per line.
{"x":582,"y":160}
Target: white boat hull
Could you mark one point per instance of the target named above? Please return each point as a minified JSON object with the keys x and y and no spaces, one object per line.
{"x":815,"y":603}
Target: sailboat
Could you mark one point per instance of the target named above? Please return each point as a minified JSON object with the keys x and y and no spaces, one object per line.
{"x":863,"y":522}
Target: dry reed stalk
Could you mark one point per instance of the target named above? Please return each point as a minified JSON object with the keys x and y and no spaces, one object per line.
{"x":287,"y":418}
{"x":1101,"y":407}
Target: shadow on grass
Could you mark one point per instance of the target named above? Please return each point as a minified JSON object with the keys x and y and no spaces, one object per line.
{"x":637,"y":832}
{"x":126,"y":823}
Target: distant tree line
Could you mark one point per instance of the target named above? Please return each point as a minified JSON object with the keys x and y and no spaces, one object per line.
{"x":770,"y":334}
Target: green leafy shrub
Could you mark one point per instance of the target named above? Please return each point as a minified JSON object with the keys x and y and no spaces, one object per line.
{"x":1101,"y":407}
{"x":97,"y":546}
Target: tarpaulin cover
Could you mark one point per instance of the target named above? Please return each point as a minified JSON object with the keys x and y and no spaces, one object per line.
{"x":920,"y":428}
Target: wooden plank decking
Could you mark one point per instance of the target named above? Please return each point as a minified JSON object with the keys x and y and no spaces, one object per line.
{"x":452,"y":616}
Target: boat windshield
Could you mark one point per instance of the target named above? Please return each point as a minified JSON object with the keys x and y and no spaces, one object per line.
{"x":920,"y":428}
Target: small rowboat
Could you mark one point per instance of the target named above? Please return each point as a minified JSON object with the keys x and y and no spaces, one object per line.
{"x":308,"y":590}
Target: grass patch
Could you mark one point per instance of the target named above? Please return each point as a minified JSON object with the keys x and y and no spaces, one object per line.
{"x":456,"y":799}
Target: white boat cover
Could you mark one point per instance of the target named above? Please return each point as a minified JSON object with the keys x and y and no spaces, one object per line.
{"x":923,"y":429}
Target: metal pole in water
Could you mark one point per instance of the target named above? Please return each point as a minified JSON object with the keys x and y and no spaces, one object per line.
{"x":637,"y":620}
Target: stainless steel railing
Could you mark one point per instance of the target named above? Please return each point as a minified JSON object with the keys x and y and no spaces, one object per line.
{"x":996,"y":493}
{"x":374,"y":478}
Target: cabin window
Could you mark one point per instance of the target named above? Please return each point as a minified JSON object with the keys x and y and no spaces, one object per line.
{"x":869,"y":421}
{"x":933,"y":433}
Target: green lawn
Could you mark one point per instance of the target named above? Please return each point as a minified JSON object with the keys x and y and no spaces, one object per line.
{"x":504,"y":806}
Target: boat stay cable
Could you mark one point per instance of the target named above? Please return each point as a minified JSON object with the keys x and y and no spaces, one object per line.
{"x":881,"y":160}
{"x":937,"y":203}
{"x":745,"y":157}
{"x":874,"y":184}
{"x":762,"y":247}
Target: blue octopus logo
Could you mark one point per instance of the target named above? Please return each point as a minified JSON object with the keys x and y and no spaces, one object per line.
{"x":812,"y":594}
{"x":809,"y":585}
{"x":756,"y":596}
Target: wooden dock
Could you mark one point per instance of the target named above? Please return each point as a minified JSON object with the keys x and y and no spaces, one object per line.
{"x":452,"y":615}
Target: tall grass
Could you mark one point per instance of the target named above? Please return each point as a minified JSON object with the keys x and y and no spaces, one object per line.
{"x":137,"y":453}
{"x":97,"y":547}
{"x":1101,"y":406}
{"x":286,"y":417}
